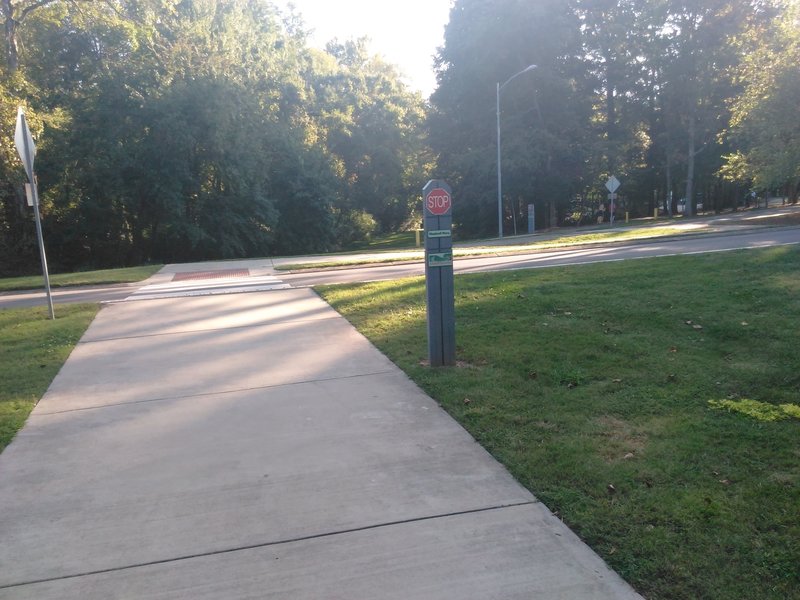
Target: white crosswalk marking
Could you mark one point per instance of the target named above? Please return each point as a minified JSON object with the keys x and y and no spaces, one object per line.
{"x":208,"y":287}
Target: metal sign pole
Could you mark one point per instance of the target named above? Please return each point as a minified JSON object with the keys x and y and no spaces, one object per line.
{"x":41,"y":249}
{"x":612,"y":185}
{"x":438,"y":220}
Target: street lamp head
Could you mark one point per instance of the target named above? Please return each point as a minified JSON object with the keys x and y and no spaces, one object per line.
{"x":499,"y":157}
{"x":515,"y":75}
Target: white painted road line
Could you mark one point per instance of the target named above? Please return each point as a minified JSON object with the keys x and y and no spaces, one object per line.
{"x":181,"y":289}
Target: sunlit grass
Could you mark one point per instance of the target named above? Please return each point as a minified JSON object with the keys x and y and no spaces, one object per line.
{"x":761,"y":411}
{"x":390,"y":241}
{"x":32,"y":350}
{"x":101,"y":277}
{"x":592,"y":385}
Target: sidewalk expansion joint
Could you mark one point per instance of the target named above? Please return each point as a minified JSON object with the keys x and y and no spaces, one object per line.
{"x":304,"y":538}
{"x":188,"y":331}
{"x":207,"y":394}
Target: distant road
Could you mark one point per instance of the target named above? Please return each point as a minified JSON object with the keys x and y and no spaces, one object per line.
{"x":561,"y":257}
{"x":68,"y":295}
{"x":687,"y":244}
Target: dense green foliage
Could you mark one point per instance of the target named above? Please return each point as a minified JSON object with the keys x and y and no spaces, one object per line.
{"x":765,"y":119}
{"x":173,"y":130}
{"x":638,"y":89}
{"x":199,"y":129}
{"x":651,"y":404}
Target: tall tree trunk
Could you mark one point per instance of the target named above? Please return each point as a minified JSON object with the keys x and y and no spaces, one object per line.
{"x":611,"y":114}
{"x":514,"y":206}
{"x":669,"y":182}
{"x":11,"y":22}
{"x":689,"y":207}
{"x":12,"y":51}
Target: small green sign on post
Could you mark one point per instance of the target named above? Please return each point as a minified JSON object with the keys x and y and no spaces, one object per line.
{"x":440,"y":259}
{"x":438,"y":223}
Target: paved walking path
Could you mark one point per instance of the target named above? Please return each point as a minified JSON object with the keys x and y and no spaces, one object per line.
{"x":254,"y":445}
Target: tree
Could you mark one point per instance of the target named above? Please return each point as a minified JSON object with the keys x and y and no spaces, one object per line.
{"x":14,"y":14}
{"x":373,"y":127}
{"x":203,"y":129}
{"x":17,"y":234}
{"x":172,"y":157}
{"x":765,"y":122}
{"x":545,"y":115}
{"x":695,"y":54}
{"x":614,"y":35}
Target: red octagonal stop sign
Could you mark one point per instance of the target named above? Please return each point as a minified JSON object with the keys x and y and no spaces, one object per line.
{"x":438,"y":202}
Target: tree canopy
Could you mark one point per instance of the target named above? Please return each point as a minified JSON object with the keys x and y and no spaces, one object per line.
{"x":638,"y":89}
{"x":173,"y":130}
{"x":184,"y":130}
{"x":765,"y":117}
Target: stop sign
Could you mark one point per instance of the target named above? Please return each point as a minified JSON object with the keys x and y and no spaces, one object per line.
{"x":438,"y":202}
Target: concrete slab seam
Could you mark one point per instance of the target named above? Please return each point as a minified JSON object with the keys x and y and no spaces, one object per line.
{"x":270,"y":544}
{"x":187,"y":331}
{"x":216,"y":393}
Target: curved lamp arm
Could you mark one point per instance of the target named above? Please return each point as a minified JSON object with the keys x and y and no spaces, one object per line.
{"x":499,"y":169}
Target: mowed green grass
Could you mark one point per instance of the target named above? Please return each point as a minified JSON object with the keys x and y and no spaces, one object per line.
{"x":101,"y":277}
{"x":623,"y":395}
{"x":390,"y":241}
{"x":32,"y":350}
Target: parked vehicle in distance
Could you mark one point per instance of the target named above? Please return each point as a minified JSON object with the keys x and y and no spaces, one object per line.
{"x":682,"y":206}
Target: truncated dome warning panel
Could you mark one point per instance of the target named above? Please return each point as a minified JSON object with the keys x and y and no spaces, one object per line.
{"x":225,"y":274}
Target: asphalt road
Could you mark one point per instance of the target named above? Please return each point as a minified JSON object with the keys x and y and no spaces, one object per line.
{"x":68,"y":295}
{"x":688,"y":244}
{"x":560,"y":257}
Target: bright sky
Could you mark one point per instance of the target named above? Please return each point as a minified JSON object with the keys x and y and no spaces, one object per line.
{"x":405,"y":32}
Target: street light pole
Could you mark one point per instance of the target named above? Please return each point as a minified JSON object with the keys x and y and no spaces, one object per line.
{"x":499,"y":167}
{"x":499,"y":172}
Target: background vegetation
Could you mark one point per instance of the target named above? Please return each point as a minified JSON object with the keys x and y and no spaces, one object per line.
{"x":182,"y":130}
{"x":677,"y":98}
{"x":174,"y":130}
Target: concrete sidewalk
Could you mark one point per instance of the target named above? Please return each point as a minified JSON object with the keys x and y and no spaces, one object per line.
{"x":256,"y":446}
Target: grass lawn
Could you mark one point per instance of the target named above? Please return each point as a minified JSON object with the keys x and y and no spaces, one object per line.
{"x":32,"y":350}
{"x":391,"y":241}
{"x":618,"y":234}
{"x":104,"y":276}
{"x":651,"y":404}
